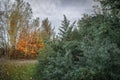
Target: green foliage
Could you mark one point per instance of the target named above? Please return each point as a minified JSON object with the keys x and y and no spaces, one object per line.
{"x":62,"y":59}
{"x":91,"y":51}
{"x":66,"y":29}
{"x":43,"y":60}
{"x":59,"y":62}
{"x":99,"y":38}
{"x":93,"y":54}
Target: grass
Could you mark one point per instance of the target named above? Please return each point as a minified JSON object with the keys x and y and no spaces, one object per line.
{"x":17,"y":70}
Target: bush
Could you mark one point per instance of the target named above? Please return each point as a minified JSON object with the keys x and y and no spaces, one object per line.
{"x":43,"y":60}
{"x":64,"y":61}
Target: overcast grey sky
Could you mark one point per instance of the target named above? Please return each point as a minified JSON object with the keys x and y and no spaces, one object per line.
{"x":55,"y":9}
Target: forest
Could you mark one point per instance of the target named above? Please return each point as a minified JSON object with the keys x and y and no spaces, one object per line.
{"x":86,"y":49}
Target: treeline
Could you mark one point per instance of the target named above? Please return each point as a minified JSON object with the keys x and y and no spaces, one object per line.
{"x":20,"y":34}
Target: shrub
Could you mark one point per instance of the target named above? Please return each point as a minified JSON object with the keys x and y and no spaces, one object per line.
{"x":65,"y":61}
{"x":43,"y":60}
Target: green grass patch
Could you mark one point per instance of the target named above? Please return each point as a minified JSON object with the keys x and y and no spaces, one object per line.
{"x":17,"y":71}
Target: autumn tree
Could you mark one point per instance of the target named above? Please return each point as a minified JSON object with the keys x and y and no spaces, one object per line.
{"x":19,"y":18}
{"x":30,"y":41}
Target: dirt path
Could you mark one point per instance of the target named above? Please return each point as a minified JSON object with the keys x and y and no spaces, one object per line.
{"x":2,"y":60}
{"x":24,"y":61}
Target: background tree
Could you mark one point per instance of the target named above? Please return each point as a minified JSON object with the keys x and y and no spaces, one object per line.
{"x":46,"y":29}
{"x":19,"y":18}
{"x":5,"y":7}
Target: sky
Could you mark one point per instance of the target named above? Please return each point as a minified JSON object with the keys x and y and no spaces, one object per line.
{"x":55,"y":9}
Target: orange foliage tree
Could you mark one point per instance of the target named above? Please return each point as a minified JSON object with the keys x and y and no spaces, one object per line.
{"x":29,"y":42}
{"x":19,"y":17}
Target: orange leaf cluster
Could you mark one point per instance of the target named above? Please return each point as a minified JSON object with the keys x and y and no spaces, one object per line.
{"x":29,"y":43}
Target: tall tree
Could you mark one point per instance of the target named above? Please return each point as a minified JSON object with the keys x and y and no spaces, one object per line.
{"x":5,"y":8}
{"x":19,"y":18}
{"x":46,"y":29}
{"x":66,"y":29}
